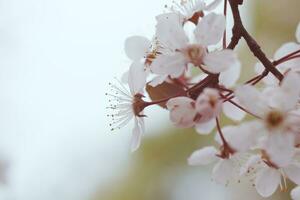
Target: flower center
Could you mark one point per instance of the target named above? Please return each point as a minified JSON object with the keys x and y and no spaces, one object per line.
{"x":195,"y":54}
{"x":274,"y":119}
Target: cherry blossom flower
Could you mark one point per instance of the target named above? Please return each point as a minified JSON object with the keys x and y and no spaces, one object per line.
{"x":275,"y":128}
{"x":269,"y":177}
{"x":209,"y":31}
{"x":186,"y":112}
{"x":228,"y":161}
{"x":128,"y":105}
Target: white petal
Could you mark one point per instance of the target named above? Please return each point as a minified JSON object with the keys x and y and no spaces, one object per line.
{"x":136,"y":47}
{"x":136,"y":137}
{"x":290,"y":94}
{"x":223,"y":171}
{"x":220,"y":61}
{"x":267,"y":181}
{"x":203,"y":156}
{"x":244,"y":137}
{"x":293,"y":173}
{"x":229,"y":77}
{"x":173,"y":65}
{"x":233,"y":112}
{"x":137,"y":78}
{"x":124,"y":77}
{"x":158,"y":80}
{"x":205,"y":128}
{"x":212,"y":5}
{"x":284,"y":50}
{"x":182,"y":111}
{"x":170,"y":32}
{"x":210,"y":29}
{"x":280,"y":148}
{"x":298,"y":33}
{"x":295,"y":193}
{"x":251,"y":164}
{"x":251,"y":99}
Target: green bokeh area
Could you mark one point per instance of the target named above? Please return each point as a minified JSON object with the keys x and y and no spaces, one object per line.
{"x":274,"y":22}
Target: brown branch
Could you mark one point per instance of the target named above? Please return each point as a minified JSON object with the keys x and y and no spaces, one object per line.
{"x":240,"y":31}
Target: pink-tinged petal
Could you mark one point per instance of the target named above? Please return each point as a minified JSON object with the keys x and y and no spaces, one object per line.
{"x":137,"y":78}
{"x":293,"y":173}
{"x":290,"y":94}
{"x":267,"y":181}
{"x":251,"y":99}
{"x":280,"y":148}
{"x":229,"y":77}
{"x":212,"y":5}
{"x":203,"y":156}
{"x":210,"y":29}
{"x":136,"y":136}
{"x":170,"y":32}
{"x":208,"y":105}
{"x":173,"y":65}
{"x":233,"y":112}
{"x":298,"y":33}
{"x":223,"y":171}
{"x":220,"y":61}
{"x":295,"y":193}
{"x":182,"y":111}
{"x":205,"y":128}
{"x":136,"y":47}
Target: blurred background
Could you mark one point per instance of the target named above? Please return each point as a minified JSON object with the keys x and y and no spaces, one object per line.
{"x":56,"y":60}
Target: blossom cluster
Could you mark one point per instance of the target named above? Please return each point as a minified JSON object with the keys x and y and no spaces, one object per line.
{"x":189,"y":69}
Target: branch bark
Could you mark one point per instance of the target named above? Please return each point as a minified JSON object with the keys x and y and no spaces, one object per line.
{"x":239,"y":31}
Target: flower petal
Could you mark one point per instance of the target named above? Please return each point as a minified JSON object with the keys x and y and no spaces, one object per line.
{"x":295,"y":193}
{"x":233,"y":112}
{"x":293,"y":173}
{"x":182,"y":111}
{"x":229,"y":77}
{"x":267,"y":181}
{"x":212,"y":5}
{"x":298,"y":33}
{"x":210,"y":29}
{"x":280,"y":148}
{"x":136,"y":47}
{"x":137,"y":78}
{"x":223,"y":171}
{"x":205,"y":128}
{"x":289,"y":97}
{"x":136,"y":136}
{"x":251,"y":99}
{"x":170,"y":32}
{"x":220,"y":61}
{"x":173,"y":65}
{"x":203,"y":156}
{"x":250,"y":165}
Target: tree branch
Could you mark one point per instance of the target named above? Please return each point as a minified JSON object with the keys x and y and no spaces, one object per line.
{"x":239,"y":31}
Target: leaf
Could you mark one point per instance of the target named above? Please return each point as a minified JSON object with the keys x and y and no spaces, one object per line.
{"x":164,"y":91}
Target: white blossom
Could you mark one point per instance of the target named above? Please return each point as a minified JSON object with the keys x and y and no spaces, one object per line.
{"x":128,"y":105}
